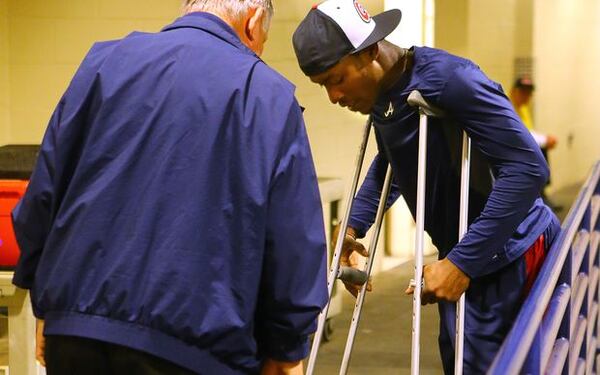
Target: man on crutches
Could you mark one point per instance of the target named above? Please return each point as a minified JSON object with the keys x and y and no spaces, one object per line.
{"x":339,"y":46}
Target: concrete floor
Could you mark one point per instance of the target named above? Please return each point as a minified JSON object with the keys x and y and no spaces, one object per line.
{"x":383,"y":341}
{"x":3,"y":340}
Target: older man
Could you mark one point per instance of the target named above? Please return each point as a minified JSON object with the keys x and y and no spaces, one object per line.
{"x":173,"y":222}
{"x":340,"y":47}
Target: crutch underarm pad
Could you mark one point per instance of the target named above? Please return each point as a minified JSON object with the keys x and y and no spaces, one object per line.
{"x":415,"y":99}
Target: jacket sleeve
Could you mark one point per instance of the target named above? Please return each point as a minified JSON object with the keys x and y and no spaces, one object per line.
{"x":293,"y":285}
{"x":364,"y":207}
{"x":488,"y":117}
{"x":32,"y":217}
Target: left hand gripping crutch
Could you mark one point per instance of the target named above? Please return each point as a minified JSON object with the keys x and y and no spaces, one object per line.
{"x":415,"y":99}
{"x":335,"y":271}
{"x":385,"y":191}
{"x":349,"y":274}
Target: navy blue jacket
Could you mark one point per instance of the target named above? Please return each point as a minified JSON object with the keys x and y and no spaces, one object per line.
{"x":506,"y":215}
{"x":174,"y":207}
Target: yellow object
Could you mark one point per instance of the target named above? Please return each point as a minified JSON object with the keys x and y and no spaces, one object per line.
{"x":43,"y":42}
{"x":524,"y":113}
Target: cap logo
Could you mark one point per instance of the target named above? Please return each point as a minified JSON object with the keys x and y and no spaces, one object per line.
{"x":362,"y":12}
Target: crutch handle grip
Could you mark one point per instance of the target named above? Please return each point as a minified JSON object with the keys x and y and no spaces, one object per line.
{"x":413,"y":284}
{"x":352,"y":275}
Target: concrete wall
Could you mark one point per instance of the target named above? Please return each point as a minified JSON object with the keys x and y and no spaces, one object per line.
{"x":491,"y":35}
{"x":4,"y":86}
{"x":451,"y":26}
{"x":567,"y":55}
{"x":562,"y":39}
{"x":484,"y":31}
{"x":523,"y":35}
{"x":47,"y":41}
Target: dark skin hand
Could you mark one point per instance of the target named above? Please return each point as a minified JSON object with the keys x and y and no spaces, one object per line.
{"x":40,"y":342}
{"x":349,"y":257}
{"x":443,"y":282}
{"x":273,"y":367}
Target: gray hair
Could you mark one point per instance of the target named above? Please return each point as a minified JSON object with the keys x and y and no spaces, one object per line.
{"x":236,"y":9}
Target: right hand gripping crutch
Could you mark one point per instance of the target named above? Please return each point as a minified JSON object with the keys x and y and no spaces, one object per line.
{"x":415,"y":99}
{"x":463,"y":224}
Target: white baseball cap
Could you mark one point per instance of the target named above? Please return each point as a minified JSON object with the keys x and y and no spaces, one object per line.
{"x":337,"y":28}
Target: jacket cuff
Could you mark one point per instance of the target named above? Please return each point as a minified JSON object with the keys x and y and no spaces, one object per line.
{"x":360,"y":228}
{"x":23,"y":282}
{"x":37,"y":312}
{"x":478,"y":267}
{"x":287,"y":350}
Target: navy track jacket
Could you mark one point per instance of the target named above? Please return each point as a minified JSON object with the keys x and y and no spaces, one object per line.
{"x":174,"y":207}
{"x":506,"y":215}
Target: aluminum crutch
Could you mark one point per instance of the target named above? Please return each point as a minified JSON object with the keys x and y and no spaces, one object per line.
{"x":463,"y":224}
{"x":425,"y":109}
{"x":385,"y":191}
{"x":415,"y":99}
{"x":345,"y":273}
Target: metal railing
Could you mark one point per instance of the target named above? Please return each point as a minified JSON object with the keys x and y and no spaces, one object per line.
{"x":556,"y":331}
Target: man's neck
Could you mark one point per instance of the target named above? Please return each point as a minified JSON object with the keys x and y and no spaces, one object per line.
{"x":394,"y":61}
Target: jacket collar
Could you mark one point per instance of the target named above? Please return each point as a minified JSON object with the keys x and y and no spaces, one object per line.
{"x":211,"y":24}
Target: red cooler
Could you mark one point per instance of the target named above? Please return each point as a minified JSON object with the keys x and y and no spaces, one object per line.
{"x":16,"y":165}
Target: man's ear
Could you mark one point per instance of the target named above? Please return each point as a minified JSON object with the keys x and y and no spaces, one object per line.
{"x":254,"y":21}
{"x":372,"y":51}
{"x":368,"y":55}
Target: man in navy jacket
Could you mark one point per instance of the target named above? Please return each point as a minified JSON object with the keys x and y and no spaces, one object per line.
{"x":341,"y":47}
{"x":173,"y":221}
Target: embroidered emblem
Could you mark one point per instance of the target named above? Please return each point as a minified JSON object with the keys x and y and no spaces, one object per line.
{"x":362,"y":12}
{"x":390,"y":110}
